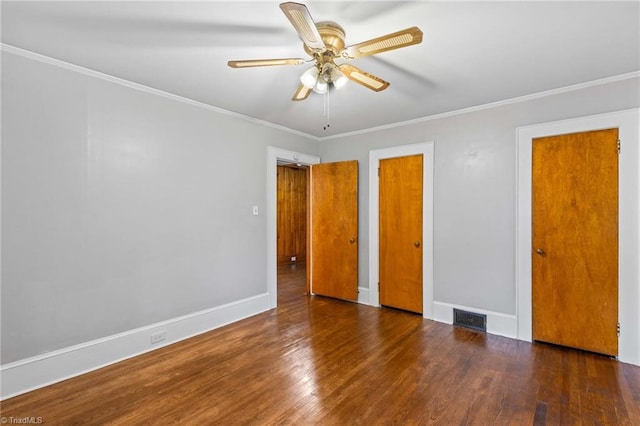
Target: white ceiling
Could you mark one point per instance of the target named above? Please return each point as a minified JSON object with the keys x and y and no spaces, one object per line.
{"x":473,"y":53}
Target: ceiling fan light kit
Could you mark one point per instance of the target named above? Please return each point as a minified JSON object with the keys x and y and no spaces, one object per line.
{"x":338,"y":78}
{"x":310,"y":77}
{"x":317,"y":78}
{"x":321,"y":86}
{"x":325,"y":42}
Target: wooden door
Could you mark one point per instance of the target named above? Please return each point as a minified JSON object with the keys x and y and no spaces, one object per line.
{"x":400,"y":227}
{"x":575,"y":240}
{"x":334,"y":230}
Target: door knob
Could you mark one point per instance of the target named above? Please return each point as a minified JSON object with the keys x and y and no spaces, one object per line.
{"x":541,"y":252}
{"x":417,"y":244}
{"x":352,"y":240}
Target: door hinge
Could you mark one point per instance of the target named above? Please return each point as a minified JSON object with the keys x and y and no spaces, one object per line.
{"x":378,"y":171}
{"x":618,"y":329}
{"x":619,"y":146}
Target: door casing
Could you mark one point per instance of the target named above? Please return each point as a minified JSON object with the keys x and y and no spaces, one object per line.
{"x":427,"y":150}
{"x":274,"y":155}
{"x":628,"y":123}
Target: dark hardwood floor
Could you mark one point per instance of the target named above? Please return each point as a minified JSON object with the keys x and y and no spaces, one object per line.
{"x":315,"y":360}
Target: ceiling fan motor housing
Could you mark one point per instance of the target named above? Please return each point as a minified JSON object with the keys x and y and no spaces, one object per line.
{"x":332,"y":36}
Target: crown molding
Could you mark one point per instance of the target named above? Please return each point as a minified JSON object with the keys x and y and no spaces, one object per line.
{"x":497,"y":104}
{"x":137,"y":86}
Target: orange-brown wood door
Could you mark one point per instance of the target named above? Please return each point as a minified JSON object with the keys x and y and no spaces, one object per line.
{"x":400,"y":227}
{"x":575,"y":240}
{"x":334,"y":230}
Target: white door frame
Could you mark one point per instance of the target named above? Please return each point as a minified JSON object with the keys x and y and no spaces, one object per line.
{"x":627,"y":122}
{"x":427,"y":150}
{"x":274,"y":155}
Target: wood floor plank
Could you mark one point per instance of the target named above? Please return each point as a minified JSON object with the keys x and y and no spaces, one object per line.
{"x":315,"y":360}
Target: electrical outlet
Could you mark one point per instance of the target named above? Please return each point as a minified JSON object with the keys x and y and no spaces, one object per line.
{"x":294,"y":258}
{"x":158,"y":337}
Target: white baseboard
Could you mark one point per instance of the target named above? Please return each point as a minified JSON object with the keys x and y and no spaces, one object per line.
{"x":497,"y":323}
{"x":35,"y":372}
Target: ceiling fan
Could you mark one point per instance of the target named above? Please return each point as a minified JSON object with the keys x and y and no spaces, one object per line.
{"x":325,"y":42}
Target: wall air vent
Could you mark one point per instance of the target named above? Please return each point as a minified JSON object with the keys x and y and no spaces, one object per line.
{"x":470,"y":320}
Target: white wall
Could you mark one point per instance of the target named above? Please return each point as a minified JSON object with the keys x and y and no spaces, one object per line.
{"x":122,"y":207}
{"x":475,"y":188}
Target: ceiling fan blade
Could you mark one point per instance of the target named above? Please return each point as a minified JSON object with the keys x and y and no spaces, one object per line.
{"x":369,"y":81}
{"x":404,"y":38}
{"x":265,"y":62}
{"x":300,"y":18}
{"x":302,"y":93}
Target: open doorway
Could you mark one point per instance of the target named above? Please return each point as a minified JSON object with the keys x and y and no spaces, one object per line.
{"x":276,"y":157}
{"x":291,"y":230}
{"x":333,"y":240}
